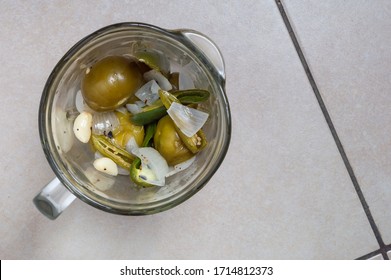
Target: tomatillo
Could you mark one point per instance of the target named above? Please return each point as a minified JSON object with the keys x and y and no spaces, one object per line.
{"x":110,"y":82}
{"x":169,"y":144}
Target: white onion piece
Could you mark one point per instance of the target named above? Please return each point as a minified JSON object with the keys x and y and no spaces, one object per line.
{"x":141,"y":104}
{"x":149,"y":92}
{"x":180,"y":166}
{"x":153,"y":165}
{"x":121,"y":110}
{"x":187,"y":119}
{"x":133,"y":108}
{"x":103,"y":123}
{"x":159,"y":78}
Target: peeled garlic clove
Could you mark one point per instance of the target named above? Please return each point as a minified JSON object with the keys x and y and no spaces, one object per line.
{"x":162,"y":81}
{"x":106,"y":165}
{"x":82,"y":127}
{"x":121,"y":170}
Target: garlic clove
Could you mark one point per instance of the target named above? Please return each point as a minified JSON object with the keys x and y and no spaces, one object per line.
{"x":106,"y":165}
{"x":82,"y":127}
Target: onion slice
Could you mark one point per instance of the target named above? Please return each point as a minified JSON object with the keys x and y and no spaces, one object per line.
{"x":153,"y":165}
{"x":136,"y":107}
{"x":103,"y":123}
{"x":148,"y":93}
{"x":122,"y":110}
{"x":163,"y":82}
{"x":133,"y":108}
{"x":187,"y":119}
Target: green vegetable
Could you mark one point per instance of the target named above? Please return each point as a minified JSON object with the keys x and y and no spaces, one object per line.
{"x":150,"y":131}
{"x":152,"y":59}
{"x":168,"y":143}
{"x":194,"y":143}
{"x":149,"y":115}
{"x":191,"y":96}
{"x":158,"y":110}
{"x":138,"y":175}
{"x":120,"y":156}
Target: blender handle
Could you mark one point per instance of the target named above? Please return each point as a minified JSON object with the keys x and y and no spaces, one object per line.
{"x":208,"y":47}
{"x":53,"y":199}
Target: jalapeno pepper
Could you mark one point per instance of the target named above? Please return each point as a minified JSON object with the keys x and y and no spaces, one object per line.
{"x":158,"y":110}
{"x":194,"y":143}
{"x":104,"y":146}
{"x":137,"y":174}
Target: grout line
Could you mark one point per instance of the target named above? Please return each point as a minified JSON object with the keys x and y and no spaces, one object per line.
{"x":370,"y":255}
{"x":387,"y":249}
{"x":341,"y":150}
{"x":382,"y":251}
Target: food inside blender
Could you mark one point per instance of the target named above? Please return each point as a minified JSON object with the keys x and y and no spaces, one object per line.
{"x":142,"y":119}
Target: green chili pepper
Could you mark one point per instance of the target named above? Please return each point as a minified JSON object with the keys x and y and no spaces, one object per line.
{"x":150,"y":131}
{"x":149,"y":115}
{"x":120,"y":156}
{"x":158,"y":110}
{"x":191,"y":96}
{"x":138,"y":175}
{"x":194,"y":143}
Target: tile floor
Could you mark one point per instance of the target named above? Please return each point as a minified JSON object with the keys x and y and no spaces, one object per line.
{"x":313,"y":144}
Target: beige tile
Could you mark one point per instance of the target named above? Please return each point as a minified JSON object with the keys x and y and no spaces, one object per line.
{"x":347,"y":47}
{"x":281,"y":193}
